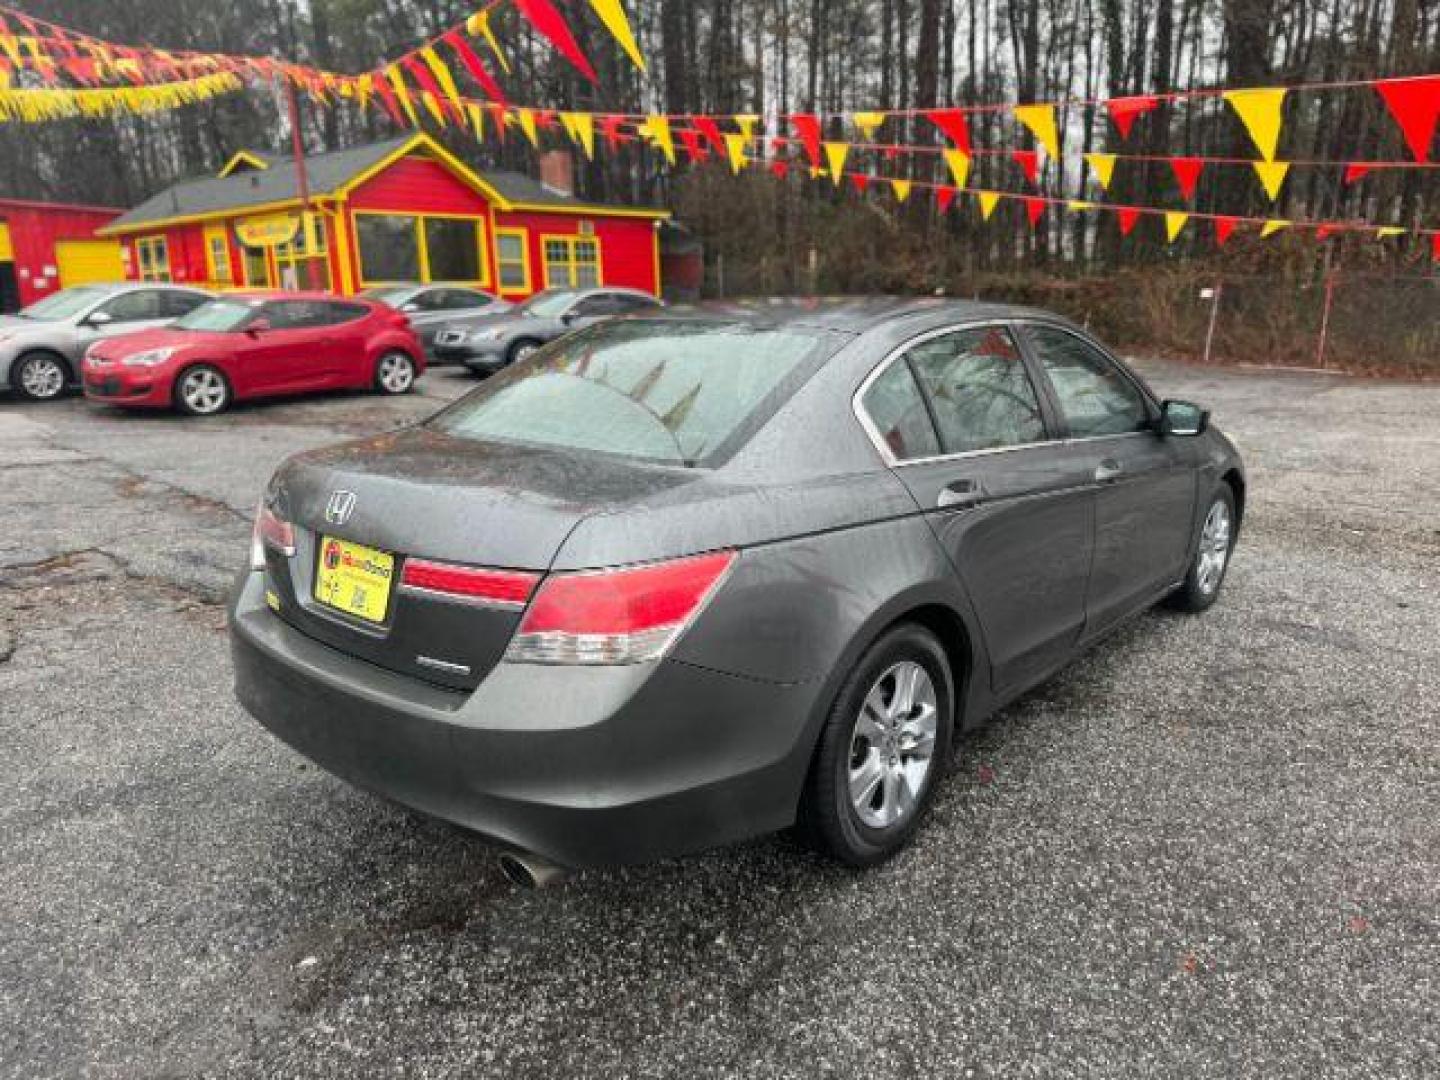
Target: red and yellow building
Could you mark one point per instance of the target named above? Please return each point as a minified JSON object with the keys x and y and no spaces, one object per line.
{"x":402,"y":210}
{"x":49,"y":246}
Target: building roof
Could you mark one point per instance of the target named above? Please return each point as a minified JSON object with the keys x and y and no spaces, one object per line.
{"x":330,"y":174}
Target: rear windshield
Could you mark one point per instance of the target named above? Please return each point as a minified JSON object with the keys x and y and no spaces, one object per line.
{"x":678,"y":393}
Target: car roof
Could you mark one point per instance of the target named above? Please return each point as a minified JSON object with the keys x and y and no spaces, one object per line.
{"x":282,"y":294}
{"x":850,"y":314}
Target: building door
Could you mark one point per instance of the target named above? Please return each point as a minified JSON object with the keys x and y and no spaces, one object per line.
{"x":82,"y":262}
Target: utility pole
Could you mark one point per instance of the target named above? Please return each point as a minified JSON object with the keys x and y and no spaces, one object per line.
{"x":302,"y":177}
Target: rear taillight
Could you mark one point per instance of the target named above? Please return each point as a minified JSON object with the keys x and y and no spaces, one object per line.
{"x":272,"y":532}
{"x":504,"y":588}
{"x":616,"y":616}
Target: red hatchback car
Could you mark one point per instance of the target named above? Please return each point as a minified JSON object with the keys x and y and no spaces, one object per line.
{"x":250,"y":345}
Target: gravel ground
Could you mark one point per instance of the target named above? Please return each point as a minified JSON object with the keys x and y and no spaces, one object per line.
{"x":1210,"y":848}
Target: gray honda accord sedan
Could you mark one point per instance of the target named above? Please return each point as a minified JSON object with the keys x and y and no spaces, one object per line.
{"x":686,"y":578}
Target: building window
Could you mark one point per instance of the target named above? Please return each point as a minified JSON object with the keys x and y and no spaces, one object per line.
{"x":217,"y":255}
{"x":512,"y":249}
{"x":304,"y":262}
{"x":424,"y":248}
{"x":572,"y":262}
{"x":154,"y":255}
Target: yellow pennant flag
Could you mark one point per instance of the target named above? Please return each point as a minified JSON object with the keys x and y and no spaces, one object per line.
{"x":581,"y":129}
{"x":477,"y":120}
{"x":479,"y":26}
{"x":526,"y":119}
{"x":365,"y":89}
{"x":1272,"y":176}
{"x":433,"y":107}
{"x":735,"y":144}
{"x":901,"y":189}
{"x":835,"y":154}
{"x":746,"y":123}
{"x":1103,"y":166}
{"x":402,"y":94}
{"x":867,"y":123}
{"x":613,"y":16}
{"x":988,"y":202}
{"x":657,"y":129}
{"x":1271,"y":227}
{"x":1388,"y":231}
{"x":11,"y":44}
{"x":1040,"y":119}
{"x":442,"y":76}
{"x":1078,"y":205}
{"x":1259,"y":111}
{"x":959,"y":163}
{"x":1174,"y":223}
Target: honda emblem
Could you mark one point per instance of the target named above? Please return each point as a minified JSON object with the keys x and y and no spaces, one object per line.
{"x":340,"y":507}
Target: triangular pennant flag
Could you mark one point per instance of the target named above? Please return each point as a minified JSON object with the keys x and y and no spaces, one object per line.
{"x":526,"y":120}
{"x":1123,"y":111}
{"x":1271,"y":227}
{"x":479,"y":26}
{"x":835,"y":154}
{"x":944,"y":196}
{"x":1029,"y":162}
{"x":1127,"y":216}
{"x":1224,"y":226}
{"x":477,"y":119}
{"x":656,"y":128}
{"x":1103,"y":166}
{"x":711,"y":130}
{"x":867,"y":123}
{"x":952,"y":124}
{"x":690,"y":139}
{"x":546,"y":19}
{"x":1040,"y":119}
{"x":988,"y":201}
{"x":735,"y":144}
{"x":1325,"y":231}
{"x":901,"y":189}
{"x":386,"y":93}
{"x":1187,"y":174}
{"x":779,"y":168}
{"x":959,"y":163}
{"x":807,"y":127}
{"x":746,"y":123}
{"x":1356,"y":171}
{"x":1259,"y":111}
{"x":1415,"y":105}
{"x":612,"y":14}
{"x":402,"y":94}
{"x":446,"y":82}
{"x":475,"y":67}
{"x":581,"y":129}
{"x":1435,"y":246}
{"x":1174,"y":223}
{"x":1034,"y":209}
{"x":1387,"y":232}
{"x":610,"y":128}
{"x":1272,"y":176}
{"x":860,"y":181}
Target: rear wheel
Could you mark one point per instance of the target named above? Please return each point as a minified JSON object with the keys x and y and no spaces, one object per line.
{"x":40,"y":376}
{"x":521,"y":350}
{"x":202,"y":391}
{"x":395,"y":373}
{"x":882,"y":749}
{"x":1212,"y":555}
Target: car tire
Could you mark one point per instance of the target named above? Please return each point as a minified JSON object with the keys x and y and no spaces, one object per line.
{"x":395,"y":373}
{"x":521,"y":349}
{"x":1213,"y":547}
{"x":202,"y":390}
{"x":871,"y":781}
{"x":40,"y":376}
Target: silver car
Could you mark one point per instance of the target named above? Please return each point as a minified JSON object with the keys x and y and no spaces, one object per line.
{"x":433,"y":307}
{"x":41,"y":347}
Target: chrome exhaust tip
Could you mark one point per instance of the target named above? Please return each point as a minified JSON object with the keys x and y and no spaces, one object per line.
{"x":531,"y":871}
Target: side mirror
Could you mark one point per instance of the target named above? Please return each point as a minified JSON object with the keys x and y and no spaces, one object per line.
{"x":1183,"y":418}
{"x":256,"y":328}
{"x":99,"y":318}
{"x":569,"y":317}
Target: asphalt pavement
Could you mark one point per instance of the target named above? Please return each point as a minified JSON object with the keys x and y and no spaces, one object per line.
{"x":1210,"y":848}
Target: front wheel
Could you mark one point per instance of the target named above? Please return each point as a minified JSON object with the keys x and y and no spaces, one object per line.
{"x":202,"y":391}
{"x":395,"y":373}
{"x":521,"y":350}
{"x":882,"y":749}
{"x":1212,"y":555}
{"x":40,"y":376}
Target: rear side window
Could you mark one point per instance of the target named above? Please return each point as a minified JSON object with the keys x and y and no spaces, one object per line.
{"x":977,"y":385}
{"x":682,"y":393}
{"x":898,"y":414}
{"x":337,"y":312}
{"x":1095,"y":396}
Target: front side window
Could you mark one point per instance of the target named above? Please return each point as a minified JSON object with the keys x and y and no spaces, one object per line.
{"x":678,"y":393}
{"x":979,"y":390}
{"x":1096,"y":398}
{"x":175,"y":303}
{"x":572,"y":261}
{"x":898,"y":414}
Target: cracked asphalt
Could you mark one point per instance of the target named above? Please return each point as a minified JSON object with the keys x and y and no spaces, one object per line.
{"x":1210,"y":848}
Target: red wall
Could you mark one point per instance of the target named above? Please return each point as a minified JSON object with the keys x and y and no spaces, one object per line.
{"x":627,"y":245}
{"x":34,"y":228}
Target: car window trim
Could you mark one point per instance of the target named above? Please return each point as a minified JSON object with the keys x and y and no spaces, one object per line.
{"x":1148,"y":399}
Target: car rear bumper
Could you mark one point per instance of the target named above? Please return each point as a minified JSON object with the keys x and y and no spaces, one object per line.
{"x":586,"y":766}
{"x":478,"y":357}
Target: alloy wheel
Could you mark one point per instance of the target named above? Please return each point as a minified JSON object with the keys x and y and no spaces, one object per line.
{"x":397,"y":373}
{"x":1214,"y":548}
{"x":892,"y":746}
{"x":525,"y":350}
{"x":203,"y":391}
{"x":42,"y":377}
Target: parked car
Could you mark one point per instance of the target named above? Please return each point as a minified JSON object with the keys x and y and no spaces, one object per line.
{"x":514,"y":335}
{"x":691,"y":577}
{"x":41,"y":346}
{"x":431,"y":307}
{"x":257,"y":345}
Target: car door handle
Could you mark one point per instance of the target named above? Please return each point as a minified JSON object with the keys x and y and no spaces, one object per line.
{"x":958,"y":494}
{"x":1108,"y":469}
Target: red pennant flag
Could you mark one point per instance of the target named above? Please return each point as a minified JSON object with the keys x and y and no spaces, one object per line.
{"x":697,"y":150}
{"x":545,"y":119}
{"x":807,"y":127}
{"x":1356,"y":171}
{"x":1435,"y":246}
{"x":1127,"y":215}
{"x":387,"y":99}
{"x":891,"y":153}
{"x":944,"y":196}
{"x":707,"y":126}
{"x":1324,"y":232}
{"x":952,"y":123}
{"x":1123,"y":111}
{"x":1034,"y":209}
{"x":860,"y":181}
{"x":421,"y":74}
{"x":778,"y":145}
{"x":475,"y":66}
{"x":1187,"y":174}
{"x":545,"y":18}
{"x":610,"y":128}
{"x":1415,"y":105}
{"x":779,"y":168}
{"x":1224,"y":226}
{"x":1029,"y":160}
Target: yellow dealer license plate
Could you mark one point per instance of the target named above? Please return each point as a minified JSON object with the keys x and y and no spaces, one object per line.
{"x":354,"y":579}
